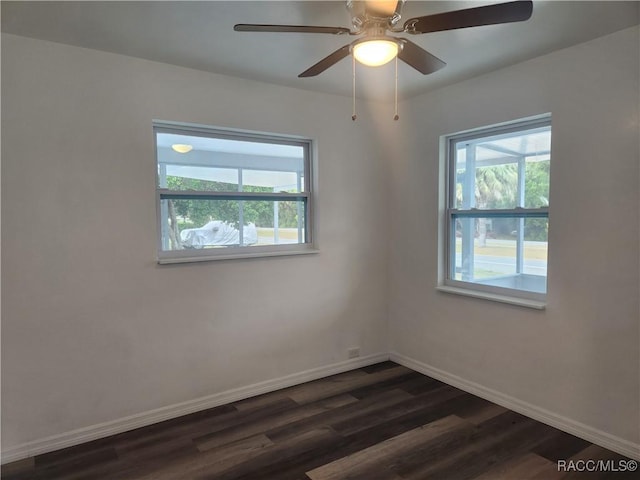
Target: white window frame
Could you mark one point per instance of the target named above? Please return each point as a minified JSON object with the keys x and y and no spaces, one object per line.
{"x":449,"y":213}
{"x":235,"y":252}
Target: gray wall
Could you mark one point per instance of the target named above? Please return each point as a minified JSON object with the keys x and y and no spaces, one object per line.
{"x":578,"y":358}
{"x":93,"y":329}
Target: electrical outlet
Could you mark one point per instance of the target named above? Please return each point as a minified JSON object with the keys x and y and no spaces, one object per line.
{"x":353,"y":352}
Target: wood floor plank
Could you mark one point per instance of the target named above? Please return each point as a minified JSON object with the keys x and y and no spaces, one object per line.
{"x":260,"y":401}
{"x":379,"y":366}
{"x":561,"y":447}
{"x":75,"y":453}
{"x":19,"y":470}
{"x":294,"y":468}
{"x":64,"y":466}
{"x":176,"y":431}
{"x":331,"y":386}
{"x":158,"y":448}
{"x":406,"y":380}
{"x":173,"y":426}
{"x":450,"y":449}
{"x":306,"y":389}
{"x":422,"y":387}
{"x":370,"y":405}
{"x":374,"y":472}
{"x":279,"y":454}
{"x":214,"y":460}
{"x":379,"y":431}
{"x":526,"y":467}
{"x":487,"y":448}
{"x":380,"y":452}
{"x":292,"y":415}
{"x":361,"y":422}
{"x":480,"y":411}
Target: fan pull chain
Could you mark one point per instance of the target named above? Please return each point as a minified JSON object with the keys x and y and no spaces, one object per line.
{"x":396,"y":117}
{"x":353,"y":114}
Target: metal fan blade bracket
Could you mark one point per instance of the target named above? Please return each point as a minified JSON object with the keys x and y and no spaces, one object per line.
{"x":252,"y":27}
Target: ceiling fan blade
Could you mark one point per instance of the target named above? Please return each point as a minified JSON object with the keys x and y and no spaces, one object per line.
{"x":419,"y":58}
{"x":249,"y":27}
{"x":471,"y":17}
{"x":326,"y":62}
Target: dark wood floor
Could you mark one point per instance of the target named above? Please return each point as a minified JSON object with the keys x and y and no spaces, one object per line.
{"x":383,"y":422}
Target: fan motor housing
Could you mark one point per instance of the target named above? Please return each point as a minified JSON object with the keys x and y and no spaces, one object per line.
{"x":364,"y":17}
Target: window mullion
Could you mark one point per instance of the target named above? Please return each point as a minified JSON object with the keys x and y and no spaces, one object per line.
{"x":299,"y":207}
{"x":500,"y":213}
{"x":164,"y":209}
{"x":166,"y":194}
{"x":468,"y":202}
{"x":240,"y":209}
{"x":520,"y":204}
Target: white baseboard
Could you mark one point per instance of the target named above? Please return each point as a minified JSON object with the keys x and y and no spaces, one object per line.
{"x":94,"y":432}
{"x":593,"y":435}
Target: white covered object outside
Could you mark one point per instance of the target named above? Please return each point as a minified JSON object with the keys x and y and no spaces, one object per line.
{"x":218,"y":232}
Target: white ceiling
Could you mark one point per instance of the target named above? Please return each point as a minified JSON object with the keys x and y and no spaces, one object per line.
{"x":200,"y":35}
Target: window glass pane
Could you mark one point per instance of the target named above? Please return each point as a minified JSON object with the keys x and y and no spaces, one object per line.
{"x":263,"y":181}
{"x":277,"y":222}
{"x":197,"y":162}
{"x":496,"y":186}
{"x":503,"y":171}
{"x":502,"y":252}
{"x":198,"y":224}
{"x":182,"y":177}
{"x":536,"y":190}
{"x":462,"y":197}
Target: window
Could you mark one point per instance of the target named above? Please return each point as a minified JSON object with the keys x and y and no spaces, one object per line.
{"x":497,"y":211}
{"x":228,"y":194}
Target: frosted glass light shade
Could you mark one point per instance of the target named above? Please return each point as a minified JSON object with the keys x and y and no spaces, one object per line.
{"x":375,"y":52}
{"x":182,"y":148}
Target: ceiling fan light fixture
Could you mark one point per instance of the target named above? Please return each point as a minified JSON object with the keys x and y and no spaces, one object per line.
{"x":375,"y":52}
{"x":182,"y":147}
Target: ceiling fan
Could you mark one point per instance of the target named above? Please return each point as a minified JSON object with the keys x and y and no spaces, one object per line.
{"x":374,"y":20}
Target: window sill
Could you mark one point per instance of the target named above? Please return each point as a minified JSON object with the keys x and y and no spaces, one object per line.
{"x":234,"y":256}
{"x":521,"y":302}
